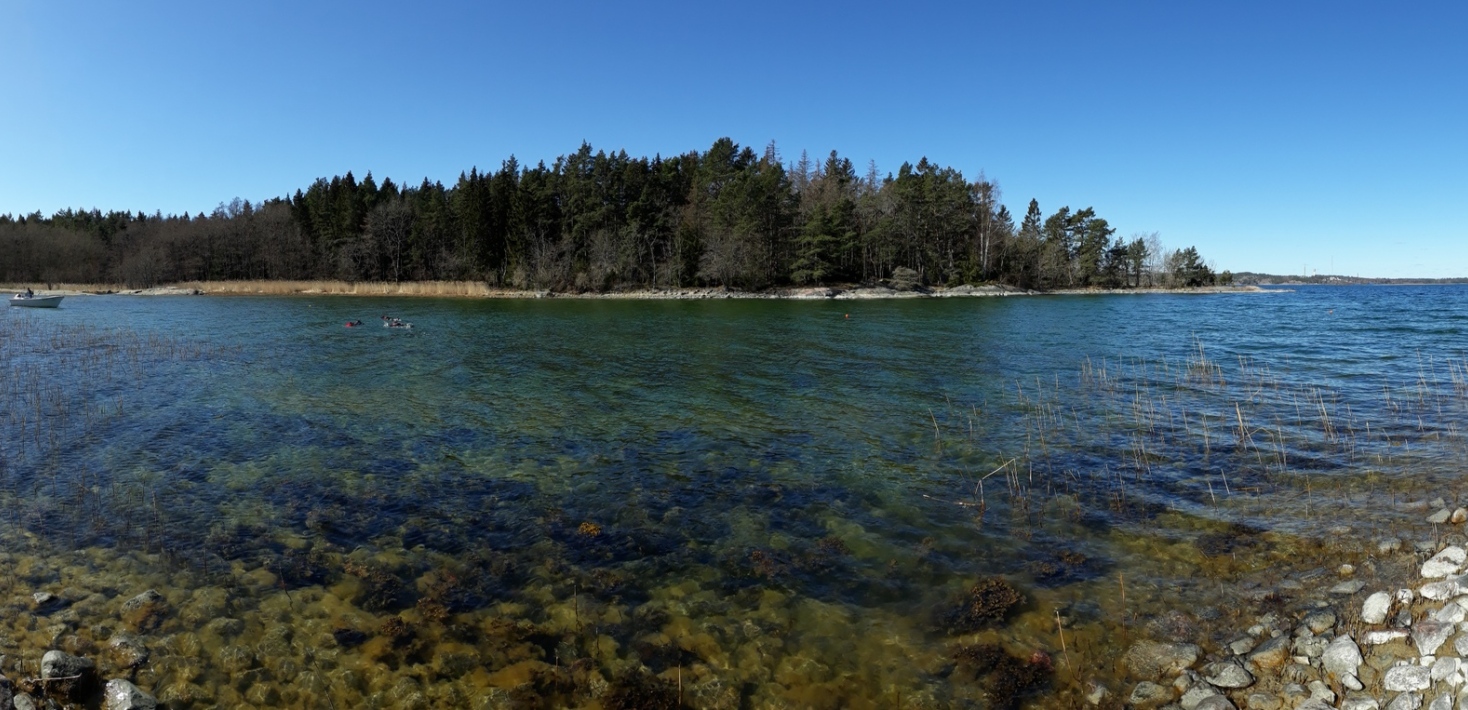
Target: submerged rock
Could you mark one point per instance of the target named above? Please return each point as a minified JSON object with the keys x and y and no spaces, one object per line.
{"x":1151,"y":659}
{"x":1149,"y":695}
{"x":123,"y":695}
{"x":1229,"y":674}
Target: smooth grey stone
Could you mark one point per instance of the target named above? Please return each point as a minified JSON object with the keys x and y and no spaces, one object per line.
{"x":1360,"y":704}
{"x":1197,"y":694}
{"x":1460,"y":644}
{"x":1375,"y":608}
{"x":1229,"y":674}
{"x":1342,"y":657}
{"x":1429,"y":635}
{"x":1441,"y":702}
{"x":1149,"y":694}
{"x":1150,"y":659}
{"x":1446,"y":589}
{"x":1441,"y":516}
{"x":1241,"y":646}
{"x":1452,"y":612}
{"x":1310,"y":646}
{"x":1351,"y":682}
{"x":1445,"y":563}
{"x":1400,"y":679}
{"x":1314,"y":704}
{"x":1215,"y":702}
{"x":1320,"y":622}
{"x":1405,"y":701}
{"x":1320,"y":691}
{"x":1444,"y":667}
{"x":1262,"y":701}
{"x":1348,"y":587}
{"x":1388,"y":545}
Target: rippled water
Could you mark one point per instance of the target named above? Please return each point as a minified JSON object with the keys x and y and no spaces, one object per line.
{"x":727,"y":503}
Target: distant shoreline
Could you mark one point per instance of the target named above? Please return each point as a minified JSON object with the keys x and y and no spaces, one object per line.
{"x":473,"y":289}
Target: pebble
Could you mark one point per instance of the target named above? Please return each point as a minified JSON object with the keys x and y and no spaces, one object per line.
{"x":1375,"y":608}
{"x":1148,"y":694}
{"x":1444,"y":667}
{"x":1445,"y":563}
{"x":1401,"y":679}
{"x":1460,"y":644}
{"x":1150,"y":659}
{"x":1262,"y":701}
{"x":1242,"y":646}
{"x":1320,"y":622}
{"x":1352,"y":682}
{"x":1452,"y":613}
{"x":1441,"y":702}
{"x":1360,"y":704}
{"x":1405,"y":701}
{"x":1196,"y":695}
{"x":1216,"y":702}
{"x":1348,"y":587}
{"x":1342,"y":657}
{"x":1429,"y":635}
{"x":1229,"y":674}
{"x":1460,"y":516}
{"x":1439,"y":517}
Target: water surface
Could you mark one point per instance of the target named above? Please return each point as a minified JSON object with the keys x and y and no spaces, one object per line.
{"x":743,"y":503}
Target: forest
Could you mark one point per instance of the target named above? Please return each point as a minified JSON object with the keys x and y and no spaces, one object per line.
{"x":594,"y":221}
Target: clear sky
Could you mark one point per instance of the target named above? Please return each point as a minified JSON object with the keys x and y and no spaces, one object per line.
{"x":1274,"y":136}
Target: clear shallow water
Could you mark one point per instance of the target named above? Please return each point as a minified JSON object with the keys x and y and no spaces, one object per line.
{"x":755,"y":503}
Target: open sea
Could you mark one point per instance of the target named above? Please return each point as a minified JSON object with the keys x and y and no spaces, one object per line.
{"x":711,"y":504}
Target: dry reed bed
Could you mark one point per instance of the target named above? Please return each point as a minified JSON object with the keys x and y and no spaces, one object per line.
{"x":1204,"y":432}
{"x":63,"y":387}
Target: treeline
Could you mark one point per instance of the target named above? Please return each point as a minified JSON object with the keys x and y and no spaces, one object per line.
{"x":597,"y":221}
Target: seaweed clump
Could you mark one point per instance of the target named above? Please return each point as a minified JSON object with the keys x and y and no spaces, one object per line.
{"x":1237,"y":537}
{"x":1007,"y":680}
{"x":381,"y":590}
{"x":641,"y":691}
{"x":986,"y":604}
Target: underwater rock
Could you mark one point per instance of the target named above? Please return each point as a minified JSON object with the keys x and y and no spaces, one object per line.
{"x":127,"y":650}
{"x":641,"y":692}
{"x":123,"y":695}
{"x":1149,"y":695}
{"x":1006,"y":679}
{"x":145,"y":612}
{"x":1151,"y":659}
{"x":1348,"y":587}
{"x":1441,"y":516}
{"x":67,"y":675}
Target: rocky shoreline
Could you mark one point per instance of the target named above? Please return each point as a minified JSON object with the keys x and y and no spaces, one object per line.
{"x":859,"y":293}
{"x":1347,"y":646}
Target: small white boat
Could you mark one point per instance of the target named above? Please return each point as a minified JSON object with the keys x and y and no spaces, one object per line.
{"x":23,"y":301}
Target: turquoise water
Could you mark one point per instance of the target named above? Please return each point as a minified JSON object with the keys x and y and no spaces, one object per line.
{"x":526,"y":503}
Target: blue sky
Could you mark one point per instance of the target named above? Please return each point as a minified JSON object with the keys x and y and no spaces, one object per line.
{"x":1279,"y":137}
